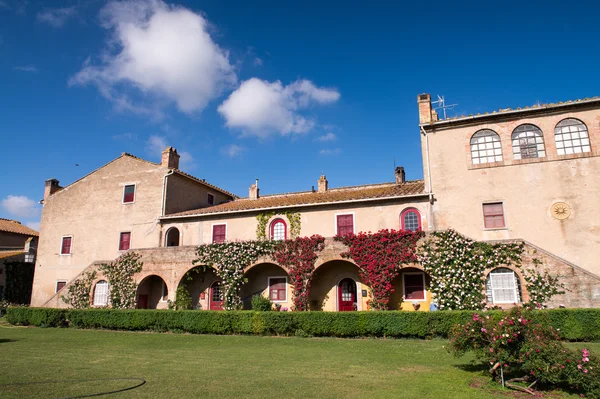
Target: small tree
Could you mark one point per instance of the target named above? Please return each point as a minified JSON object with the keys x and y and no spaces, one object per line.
{"x":183,"y":299}
{"x":120,"y":279}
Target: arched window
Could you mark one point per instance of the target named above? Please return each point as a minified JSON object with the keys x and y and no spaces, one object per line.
{"x":486,"y":147}
{"x":410,"y":220}
{"x":528,"y":142}
{"x":172,"y":237}
{"x":503,"y":286}
{"x":571,"y":137}
{"x":101,"y":293}
{"x":278,"y":230}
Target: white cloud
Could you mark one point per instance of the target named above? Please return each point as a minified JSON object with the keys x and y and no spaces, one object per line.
{"x":262,"y":108}
{"x":162,"y":52}
{"x":186,"y":161}
{"x":21,"y":206}
{"x":334,"y":151}
{"x":26,"y":68}
{"x":57,"y":17}
{"x":326,"y":137}
{"x":232,"y":150}
{"x":257,"y":61}
{"x":156,"y":145}
{"x":33,"y":225}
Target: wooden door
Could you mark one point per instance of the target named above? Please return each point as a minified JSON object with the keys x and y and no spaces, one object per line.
{"x":347,"y":295}
{"x":142,"y":302}
{"x":216,"y":296}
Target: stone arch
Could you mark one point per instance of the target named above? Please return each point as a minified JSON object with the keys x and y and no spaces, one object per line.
{"x":172,"y":237}
{"x":152,"y":293}
{"x":260,"y":276}
{"x":408,"y":274}
{"x":197,"y":280}
{"x":326,"y":279}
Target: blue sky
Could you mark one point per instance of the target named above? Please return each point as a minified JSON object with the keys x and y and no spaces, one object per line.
{"x":273,"y":90}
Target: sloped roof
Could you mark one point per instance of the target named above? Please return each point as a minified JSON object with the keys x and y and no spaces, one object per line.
{"x":309,"y":198}
{"x":13,"y":226}
{"x":10,"y":254}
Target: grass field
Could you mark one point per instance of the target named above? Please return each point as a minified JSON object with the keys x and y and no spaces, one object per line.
{"x":195,"y":366}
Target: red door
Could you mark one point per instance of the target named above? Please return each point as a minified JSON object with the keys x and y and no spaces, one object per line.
{"x":347,"y":295}
{"x":142,"y":302}
{"x":216,"y":296}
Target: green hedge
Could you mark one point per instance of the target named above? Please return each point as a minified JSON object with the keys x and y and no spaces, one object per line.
{"x":574,"y":324}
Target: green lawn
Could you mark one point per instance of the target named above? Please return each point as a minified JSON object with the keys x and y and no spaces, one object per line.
{"x":194,"y":366}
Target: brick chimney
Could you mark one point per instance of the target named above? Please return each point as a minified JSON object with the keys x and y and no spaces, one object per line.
{"x":426,"y":114}
{"x":170,"y":158}
{"x":253,"y":192}
{"x":400,"y":175}
{"x":51,"y":187}
{"x":322,"y":184}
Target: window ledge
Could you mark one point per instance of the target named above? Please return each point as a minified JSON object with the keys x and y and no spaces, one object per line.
{"x":495,"y":228}
{"x":65,"y":254}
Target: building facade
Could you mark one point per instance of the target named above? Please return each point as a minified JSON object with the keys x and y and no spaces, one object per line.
{"x":527,"y":175}
{"x":18,"y":243}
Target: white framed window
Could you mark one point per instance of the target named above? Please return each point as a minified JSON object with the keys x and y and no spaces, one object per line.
{"x":503,"y":286}
{"x":66,"y":245}
{"x":571,"y":137}
{"x":101,"y":293}
{"x":486,"y":147}
{"x":528,"y":142}
{"x":129,"y":194}
{"x":278,"y":230}
{"x":278,"y":289}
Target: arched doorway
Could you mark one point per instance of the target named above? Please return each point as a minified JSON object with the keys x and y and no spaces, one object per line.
{"x":216,"y":296}
{"x":152,"y":293}
{"x":172,"y":237}
{"x":197,"y":282}
{"x":347,"y":295}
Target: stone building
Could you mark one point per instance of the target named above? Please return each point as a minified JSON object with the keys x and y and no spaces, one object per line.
{"x":527,"y":175}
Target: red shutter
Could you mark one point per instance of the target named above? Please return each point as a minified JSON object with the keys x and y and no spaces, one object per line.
{"x":128,"y":194}
{"x":60,"y":285}
{"x":124,"y":242}
{"x":345,"y":224}
{"x":66,"y":246}
{"x":219,"y":233}
{"x":413,"y":286}
{"x":493,"y":215}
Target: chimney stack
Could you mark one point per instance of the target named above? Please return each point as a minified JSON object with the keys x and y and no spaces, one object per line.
{"x":253,"y":193}
{"x":400,"y":175}
{"x":170,"y":158}
{"x":51,"y":187}
{"x":426,"y":113}
{"x":322,"y":187}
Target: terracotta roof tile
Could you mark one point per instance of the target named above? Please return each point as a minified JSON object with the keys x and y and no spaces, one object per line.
{"x":12,"y":226}
{"x":344,"y":194}
{"x":10,"y":254}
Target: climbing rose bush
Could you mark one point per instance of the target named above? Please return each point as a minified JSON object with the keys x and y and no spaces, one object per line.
{"x":379,"y":257}
{"x":526,"y":351}
{"x":457,"y":267}
{"x":299,"y":257}
{"x":229,"y":259}
{"x":119,"y":274}
{"x":541,"y":287}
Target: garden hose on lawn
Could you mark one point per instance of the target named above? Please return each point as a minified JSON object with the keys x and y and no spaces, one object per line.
{"x":141,"y":382}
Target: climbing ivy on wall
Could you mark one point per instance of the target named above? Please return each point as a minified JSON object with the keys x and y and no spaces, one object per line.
{"x":79,"y":291}
{"x":293,"y":218}
{"x":18,"y":282}
{"x":119,"y":274}
{"x":299,"y":257}
{"x":379,"y":257}
{"x":229,"y":259}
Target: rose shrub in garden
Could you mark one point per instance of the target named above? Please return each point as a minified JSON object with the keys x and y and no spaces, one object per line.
{"x":379,"y":257}
{"x":526,"y":351}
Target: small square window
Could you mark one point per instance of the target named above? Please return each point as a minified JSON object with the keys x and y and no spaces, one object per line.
{"x":60,"y":285}
{"x":65,"y":248}
{"x":493,"y":215}
{"x":124,"y":241}
{"x":211,"y":199}
{"x":129,"y":194}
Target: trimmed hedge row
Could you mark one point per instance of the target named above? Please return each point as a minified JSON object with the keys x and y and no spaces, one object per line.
{"x":574,"y":324}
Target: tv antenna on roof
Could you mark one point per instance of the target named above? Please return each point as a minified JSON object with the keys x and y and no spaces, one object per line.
{"x":442,"y":105}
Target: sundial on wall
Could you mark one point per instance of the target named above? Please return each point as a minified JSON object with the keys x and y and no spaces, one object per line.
{"x":560,"y":210}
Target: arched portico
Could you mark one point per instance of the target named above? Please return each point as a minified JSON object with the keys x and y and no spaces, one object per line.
{"x":336,"y":286}
{"x":198,"y":282}
{"x":152,"y":293}
{"x":269,"y":280}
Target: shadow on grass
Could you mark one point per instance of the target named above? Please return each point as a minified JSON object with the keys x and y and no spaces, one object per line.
{"x":473,"y":368}
{"x":3,"y":340}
